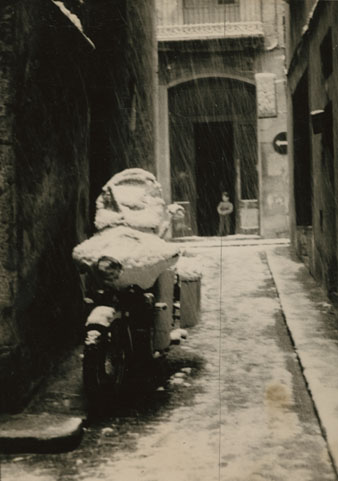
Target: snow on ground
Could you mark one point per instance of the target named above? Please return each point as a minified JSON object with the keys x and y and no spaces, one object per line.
{"x":248,"y":417}
{"x":246,"y":422}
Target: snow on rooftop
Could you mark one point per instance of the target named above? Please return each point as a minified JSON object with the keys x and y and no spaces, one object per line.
{"x":310,"y":16}
{"x":73,"y":18}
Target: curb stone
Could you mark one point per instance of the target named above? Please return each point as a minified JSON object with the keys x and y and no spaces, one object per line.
{"x":39,"y":433}
{"x":313,"y":328}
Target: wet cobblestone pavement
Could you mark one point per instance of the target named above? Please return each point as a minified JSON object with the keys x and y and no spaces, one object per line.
{"x":229,"y":404}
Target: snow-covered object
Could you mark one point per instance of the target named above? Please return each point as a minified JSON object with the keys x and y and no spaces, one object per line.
{"x":143,"y":256}
{"x":187,"y":269}
{"x":176,"y":211}
{"x":102,"y":315}
{"x":178,"y":334}
{"x":176,"y":380}
{"x":133,"y":198}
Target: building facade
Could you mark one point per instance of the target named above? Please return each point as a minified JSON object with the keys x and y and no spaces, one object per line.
{"x":312,"y":72}
{"x":222,"y":112}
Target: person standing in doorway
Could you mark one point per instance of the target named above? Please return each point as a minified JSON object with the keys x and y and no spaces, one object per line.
{"x":224,"y":210}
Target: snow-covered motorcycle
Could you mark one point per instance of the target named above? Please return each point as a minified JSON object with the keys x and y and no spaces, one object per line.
{"x":129,"y":281}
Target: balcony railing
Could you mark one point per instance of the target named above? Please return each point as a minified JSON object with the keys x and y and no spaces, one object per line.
{"x":208,"y":19}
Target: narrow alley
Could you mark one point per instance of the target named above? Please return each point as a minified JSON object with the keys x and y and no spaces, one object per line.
{"x":234,"y":405}
{"x":168,"y":240}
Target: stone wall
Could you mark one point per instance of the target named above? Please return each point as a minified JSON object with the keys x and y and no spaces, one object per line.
{"x":308,"y":61}
{"x":322,"y":93}
{"x":44,"y":196}
{"x":71,"y":115}
{"x":122,"y":87}
{"x":273,"y":13}
{"x":8,"y":207}
{"x":300,"y":12}
{"x":272,"y":115}
{"x":239,"y":59}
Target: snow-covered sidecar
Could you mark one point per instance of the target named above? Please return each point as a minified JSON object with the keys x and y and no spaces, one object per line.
{"x":141,"y":257}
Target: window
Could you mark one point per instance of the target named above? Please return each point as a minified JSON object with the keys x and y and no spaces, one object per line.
{"x":247,"y":153}
{"x":326,"y":54}
{"x":302,"y":168}
{"x":206,"y":3}
{"x":327,"y":134}
{"x":210,"y":11}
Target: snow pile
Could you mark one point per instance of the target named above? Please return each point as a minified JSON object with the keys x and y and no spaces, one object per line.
{"x":143,"y":256}
{"x":176,"y":335}
{"x":176,"y":211}
{"x":108,"y":218}
{"x":101,"y":315}
{"x":133,"y":198}
{"x":187,"y":269}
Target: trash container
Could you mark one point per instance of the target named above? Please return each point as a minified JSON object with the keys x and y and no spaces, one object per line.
{"x":190,"y":302}
{"x":190,"y":292}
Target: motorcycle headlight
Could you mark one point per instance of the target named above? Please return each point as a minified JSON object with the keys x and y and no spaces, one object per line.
{"x":109,"y":269}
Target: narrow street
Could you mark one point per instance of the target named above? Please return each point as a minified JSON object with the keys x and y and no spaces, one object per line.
{"x":233,"y":407}
{"x":138,"y":134}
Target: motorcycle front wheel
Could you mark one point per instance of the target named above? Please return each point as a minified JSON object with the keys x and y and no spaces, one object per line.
{"x":104,"y":365}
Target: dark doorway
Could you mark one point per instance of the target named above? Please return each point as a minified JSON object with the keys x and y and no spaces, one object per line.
{"x":302,"y":154}
{"x":215,"y":173}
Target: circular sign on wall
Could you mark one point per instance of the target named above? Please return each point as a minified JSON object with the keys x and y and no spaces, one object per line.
{"x":280,"y":143}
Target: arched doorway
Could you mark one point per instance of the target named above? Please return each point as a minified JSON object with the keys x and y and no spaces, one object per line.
{"x":213,"y":148}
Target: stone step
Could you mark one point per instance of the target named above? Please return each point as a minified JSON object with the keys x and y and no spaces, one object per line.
{"x":42,"y":433}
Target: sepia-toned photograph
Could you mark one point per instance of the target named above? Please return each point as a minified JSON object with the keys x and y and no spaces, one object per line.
{"x":168,"y":240}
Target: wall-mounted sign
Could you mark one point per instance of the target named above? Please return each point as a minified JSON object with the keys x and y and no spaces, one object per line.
{"x":266,"y":95}
{"x":280,"y":143}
